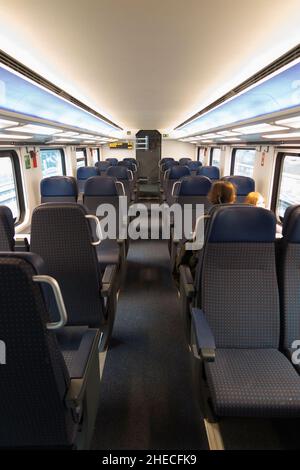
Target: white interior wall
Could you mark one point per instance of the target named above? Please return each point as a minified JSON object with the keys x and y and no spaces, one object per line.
{"x":106,"y":152}
{"x":177,"y":149}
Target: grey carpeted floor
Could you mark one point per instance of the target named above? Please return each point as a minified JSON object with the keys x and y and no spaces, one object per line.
{"x":147,"y":399}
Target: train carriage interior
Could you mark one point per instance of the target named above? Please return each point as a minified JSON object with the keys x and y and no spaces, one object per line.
{"x":150,"y":225}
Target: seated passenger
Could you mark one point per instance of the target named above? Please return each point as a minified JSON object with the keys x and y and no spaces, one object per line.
{"x":255,"y":199}
{"x":222,"y":192}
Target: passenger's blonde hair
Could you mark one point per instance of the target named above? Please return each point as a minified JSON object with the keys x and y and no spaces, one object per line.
{"x":253,"y":198}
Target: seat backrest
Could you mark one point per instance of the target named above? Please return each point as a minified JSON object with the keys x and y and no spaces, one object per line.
{"x":129,"y":159}
{"x":112,"y":161}
{"x":102,"y":167}
{"x":193,"y":166}
{"x":244,"y":185}
{"x":84,"y":173}
{"x":62,"y":235}
{"x":184,"y":161}
{"x":238,"y":281}
{"x":289,"y":276}
{"x":102,"y":190}
{"x":193,"y":190}
{"x":59,"y":189}
{"x":164,"y":167}
{"x":212,"y":172}
{"x":128,"y":164}
{"x":174,"y":174}
{"x":165,"y":159}
{"x":7,"y":229}
{"x":34,"y":380}
{"x":121,"y":173}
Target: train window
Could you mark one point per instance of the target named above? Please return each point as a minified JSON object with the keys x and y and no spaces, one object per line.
{"x":96,"y":155}
{"x":53,"y":162}
{"x":242,"y":162}
{"x":81,"y":157}
{"x":288,"y":192}
{"x":215,"y":157}
{"x":11,"y":193}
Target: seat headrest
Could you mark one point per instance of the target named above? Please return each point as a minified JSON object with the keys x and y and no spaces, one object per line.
{"x":129,"y":159}
{"x":211,"y":172}
{"x":194,"y":165}
{"x":102,"y":165}
{"x":33,"y":259}
{"x":169,"y":164}
{"x":58,"y":186}
{"x":119,"y":172}
{"x":241,"y":223}
{"x":85,"y":172}
{"x":165,"y":160}
{"x":7,"y":229}
{"x":244,"y":184}
{"x":291,"y":224}
{"x":131,"y":166}
{"x":112,"y":161}
{"x":100,"y":186}
{"x":194,"y":186}
{"x":177,"y":172}
{"x":184,"y":161}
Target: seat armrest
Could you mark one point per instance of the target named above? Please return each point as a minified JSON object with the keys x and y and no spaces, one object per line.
{"x":187,"y":281}
{"x":202,"y":336}
{"x":80,"y":370}
{"x":21,"y":244}
{"x":108,"y":280}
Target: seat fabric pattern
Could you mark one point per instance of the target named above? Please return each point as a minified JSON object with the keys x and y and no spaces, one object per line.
{"x":7,"y":229}
{"x":34,"y":381}
{"x":62,"y":236}
{"x":253,"y":383}
{"x":244,"y":312}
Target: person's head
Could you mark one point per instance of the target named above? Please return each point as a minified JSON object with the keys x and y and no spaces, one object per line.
{"x":255,"y":199}
{"x":222,"y":192}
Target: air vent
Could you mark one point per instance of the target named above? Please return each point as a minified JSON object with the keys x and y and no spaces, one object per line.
{"x":35,"y":77}
{"x":285,"y":59}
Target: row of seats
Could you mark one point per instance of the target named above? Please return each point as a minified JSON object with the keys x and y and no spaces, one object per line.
{"x":58,"y":305}
{"x":121,"y":173}
{"x":57,"y":310}
{"x":241,"y":313}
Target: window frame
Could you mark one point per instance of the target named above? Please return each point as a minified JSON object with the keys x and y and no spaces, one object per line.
{"x":81,"y":149}
{"x":62,"y":156}
{"x":12,"y":154}
{"x":277,"y":181}
{"x":98,"y":154}
{"x":211,"y":154}
{"x":233,"y":155}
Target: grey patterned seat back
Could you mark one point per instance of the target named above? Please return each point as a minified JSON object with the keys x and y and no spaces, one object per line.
{"x":289,"y":275}
{"x":7,"y":229}
{"x":62,"y":236}
{"x":34,"y":380}
{"x":101,"y":190}
{"x":239,"y":291}
{"x":175,"y":173}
